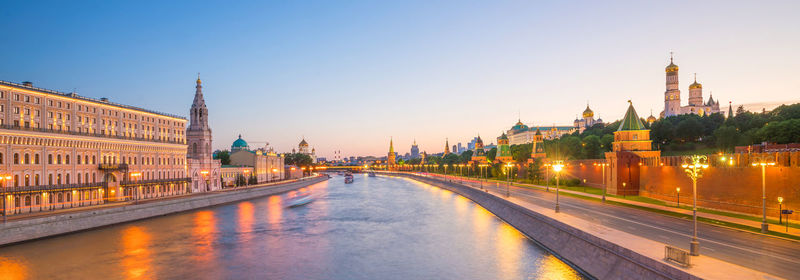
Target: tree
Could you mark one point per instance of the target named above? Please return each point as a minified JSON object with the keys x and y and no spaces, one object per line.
{"x":689,"y":130}
{"x":253,"y":180}
{"x":535,"y":170}
{"x":466,"y":156}
{"x":726,"y":138}
{"x":491,"y":154}
{"x":223,"y":156}
{"x":521,"y":153}
{"x":780,"y":132}
{"x":301,"y":160}
{"x":591,"y":146}
{"x":240,"y":180}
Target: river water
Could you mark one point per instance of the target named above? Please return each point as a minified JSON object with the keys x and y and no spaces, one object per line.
{"x":376,"y":228}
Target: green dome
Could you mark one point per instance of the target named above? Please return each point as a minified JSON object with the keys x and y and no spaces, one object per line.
{"x":239,"y":144}
{"x":519,"y":127}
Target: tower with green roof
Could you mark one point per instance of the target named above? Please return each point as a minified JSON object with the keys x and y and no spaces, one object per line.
{"x":503,"y":149}
{"x":632,"y":149}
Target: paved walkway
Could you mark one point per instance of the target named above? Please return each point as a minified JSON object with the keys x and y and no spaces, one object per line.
{"x":740,"y":221}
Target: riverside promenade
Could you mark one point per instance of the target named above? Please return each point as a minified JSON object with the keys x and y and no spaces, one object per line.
{"x":617,"y":242}
{"x":22,"y":228}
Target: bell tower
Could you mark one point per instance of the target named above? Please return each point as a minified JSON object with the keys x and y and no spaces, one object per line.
{"x":198,"y":135}
{"x":672,"y":96}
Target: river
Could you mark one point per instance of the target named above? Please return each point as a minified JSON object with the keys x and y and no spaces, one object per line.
{"x":376,"y":228}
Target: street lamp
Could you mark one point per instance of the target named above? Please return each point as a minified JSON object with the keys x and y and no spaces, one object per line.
{"x":508,"y":179}
{"x":780,"y":208}
{"x":603,"y":166}
{"x":678,"y":191}
{"x":694,"y":168}
{"x":135,"y":175}
{"x":557,"y":168}
{"x":764,"y":163}
{"x":5,"y":180}
{"x":547,"y":176}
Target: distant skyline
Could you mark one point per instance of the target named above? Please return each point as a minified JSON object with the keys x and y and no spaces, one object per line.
{"x":349,"y":75}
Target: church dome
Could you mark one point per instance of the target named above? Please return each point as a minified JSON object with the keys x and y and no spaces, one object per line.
{"x":695,"y":85}
{"x":671,"y":67}
{"x":588,"y":113}
{"x":239,"y":144}
{"x":651,"y":119}
{"x":303,"y":143}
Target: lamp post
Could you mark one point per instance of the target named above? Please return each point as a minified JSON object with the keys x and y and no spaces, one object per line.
{"x":481,"y":166}
{"x":547,"y":176}
{"x":764,"y":163}
{"x":694,"y":168}
{"x":5,"y":184}
{"x":557,"y":168}
{"x":603,"y":166}
{"x":678,"y":192}
{"x":780,"y":212}
{"x":508,"y":179}
{"x":134,"y":176}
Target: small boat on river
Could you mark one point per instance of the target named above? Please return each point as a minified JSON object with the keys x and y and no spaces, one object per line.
{"x":299,"y":199}
{"x":348,"y":178}
{"x":371,"y":174}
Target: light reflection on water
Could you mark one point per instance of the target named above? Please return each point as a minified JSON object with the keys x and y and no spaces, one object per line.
{"x":376,"y":228}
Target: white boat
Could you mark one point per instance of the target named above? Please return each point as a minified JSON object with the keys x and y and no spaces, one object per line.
{"x":299,"y":200}
{"x":371,"y":174}
{"x":348,"y":178}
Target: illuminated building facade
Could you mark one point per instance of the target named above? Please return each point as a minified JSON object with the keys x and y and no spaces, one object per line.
{"x":61,"y":150}
{"x":265,"y":164}
{"x":523,"y":134}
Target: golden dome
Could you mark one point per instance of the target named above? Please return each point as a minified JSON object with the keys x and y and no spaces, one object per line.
{"x":671,"y":67}
{"x":695,"y":84}
{"x":588,"y":113}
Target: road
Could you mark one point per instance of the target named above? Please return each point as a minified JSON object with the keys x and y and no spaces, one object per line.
{"x":775,"y":256}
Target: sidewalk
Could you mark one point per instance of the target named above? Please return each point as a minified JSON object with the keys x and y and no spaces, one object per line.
{"x":733,"y":220}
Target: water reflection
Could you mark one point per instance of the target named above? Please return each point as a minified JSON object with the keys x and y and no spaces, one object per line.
{"x":136,"y":254}
{"x":375,"y":228}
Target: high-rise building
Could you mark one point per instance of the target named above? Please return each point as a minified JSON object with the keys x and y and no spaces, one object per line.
{"x":414,"y":150}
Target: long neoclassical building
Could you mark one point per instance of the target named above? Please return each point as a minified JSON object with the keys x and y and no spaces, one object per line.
{"x":61,"y":150}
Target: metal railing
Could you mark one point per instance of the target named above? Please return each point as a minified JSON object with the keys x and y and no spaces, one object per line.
{"x":16,"y":126}
{"x":154,"y":182}
{"x":677,"y":255}
{"x":41,"y":188}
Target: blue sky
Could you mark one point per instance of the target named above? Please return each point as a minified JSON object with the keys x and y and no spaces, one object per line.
{"x":348,"y":75}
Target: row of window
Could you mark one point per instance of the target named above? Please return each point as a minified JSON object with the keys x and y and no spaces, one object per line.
{"x":88,"y":109}
{"x":26,"y":159}
{"x":59,"y":179}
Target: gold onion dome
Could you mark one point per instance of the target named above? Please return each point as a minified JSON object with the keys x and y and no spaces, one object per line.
{"x":671,"y":67}
{"x":651,"y":118}
{"x":588,"y":113}
{"x":695,"y":84}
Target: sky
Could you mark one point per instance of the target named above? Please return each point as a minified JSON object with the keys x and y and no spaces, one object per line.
{"x":350,"y":75}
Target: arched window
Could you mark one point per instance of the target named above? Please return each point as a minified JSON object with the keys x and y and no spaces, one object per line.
{"x":60,"y":197}
{"x":58,"y":159}
{"x":27,"y":159}
{"x":36,"y":159}
{"x":27,"y":200}
{"x":16,"y":180}
{"x":87,"y":177}
{"x":36,"y":179}
{"x":49,"y":179}
{"x":66,"y":159}
{"x":16,"y":158}
{"x":69,"y":197}
{"x":86,"y":159}
{"x":94,"y":159}
{"x":67,"y":181}
{"x":1,"y":158}
{"x":27,"y":180}
{"x":79,"y":159}
{"x":49,"y":159}
{"x":38,"y":200}
{"x":79,"y":178}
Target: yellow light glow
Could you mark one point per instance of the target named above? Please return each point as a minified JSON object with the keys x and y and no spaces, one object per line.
{"x":780,"y":199}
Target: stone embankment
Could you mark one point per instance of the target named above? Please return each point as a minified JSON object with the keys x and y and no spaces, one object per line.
{"x":587,"y":253}
{"x":15,"y":231}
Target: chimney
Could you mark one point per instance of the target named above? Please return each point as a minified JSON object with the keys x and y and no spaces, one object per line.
{"x":27,"y":84}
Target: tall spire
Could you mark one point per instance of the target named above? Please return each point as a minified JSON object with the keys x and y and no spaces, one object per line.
{"x":631,"y":120}
{"x":446,"y":146}
{"x":391,"y":145}
{"x":730,"y":109}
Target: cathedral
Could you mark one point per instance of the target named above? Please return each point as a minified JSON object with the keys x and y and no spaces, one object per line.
{"x":302,"y":148}
{"x":672,"y":96}
{"x":587,"y":121}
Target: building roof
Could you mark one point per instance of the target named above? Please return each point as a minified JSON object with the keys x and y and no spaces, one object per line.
{"x":303,"y":143}
{"x":631,"y":120}
{"x":588,"y":113}
{"x":519,"y":126}
{"x":239,"y":143}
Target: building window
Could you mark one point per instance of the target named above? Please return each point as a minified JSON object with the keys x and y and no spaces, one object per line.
{"x":50,"y":159}
{"x":27,"y":159}
{"x":16,"y":180}
{"x":36,"y":159}
{"x":16,"y":158}
{"x":1,"y":158}
{"x":49,"y":179}
{"x":36,"y":179}
{"x":66,"y":159}
{"x":58,"y":159}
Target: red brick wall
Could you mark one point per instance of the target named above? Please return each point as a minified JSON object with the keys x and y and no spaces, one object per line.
{"x":586,"y":169}
{"x":727,"y":188}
